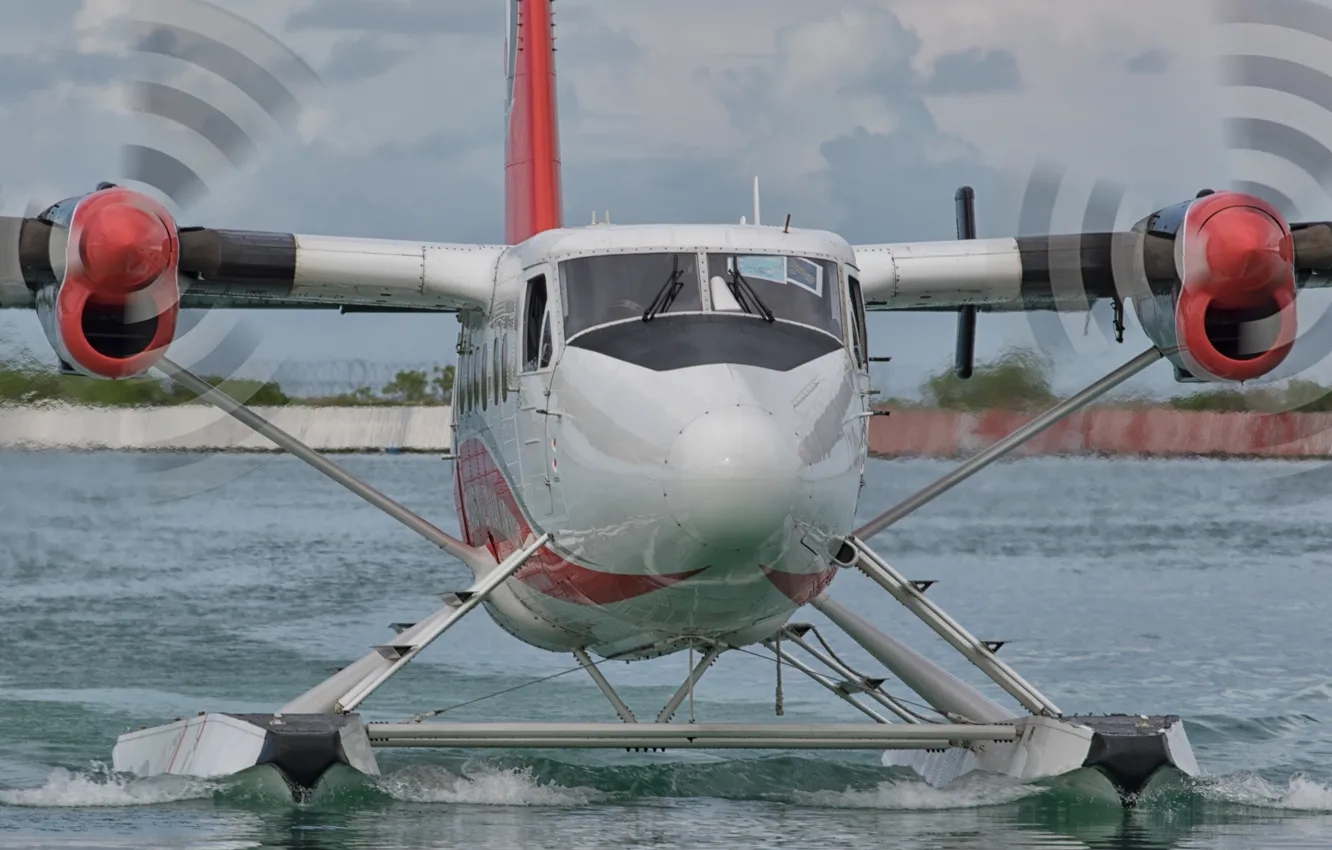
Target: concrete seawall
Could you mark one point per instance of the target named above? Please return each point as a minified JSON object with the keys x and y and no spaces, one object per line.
{"x":1150,"y":432}
{"x":202,"y":428}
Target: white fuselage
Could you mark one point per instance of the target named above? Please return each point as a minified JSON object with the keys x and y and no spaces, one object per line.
{"x":698,"y":470}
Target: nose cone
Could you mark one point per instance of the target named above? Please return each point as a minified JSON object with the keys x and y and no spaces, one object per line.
{"x":732,"y":478}
{"x":124,"y":248}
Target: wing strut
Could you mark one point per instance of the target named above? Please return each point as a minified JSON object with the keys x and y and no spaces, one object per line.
{"x":1013,"y":441}
{"x":478,"y":560}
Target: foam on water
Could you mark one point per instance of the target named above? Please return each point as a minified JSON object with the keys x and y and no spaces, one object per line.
{"x":483,"y":786}
{"x":1300,"y":793}
{"x":914,"y":795}
{"x":102,"y":788}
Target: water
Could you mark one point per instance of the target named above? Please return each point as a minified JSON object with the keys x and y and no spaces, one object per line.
{"x":136,"y":589}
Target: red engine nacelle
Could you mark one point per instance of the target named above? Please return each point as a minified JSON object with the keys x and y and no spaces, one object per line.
{"x":116,"y":307}
{"x":1235,"y":316}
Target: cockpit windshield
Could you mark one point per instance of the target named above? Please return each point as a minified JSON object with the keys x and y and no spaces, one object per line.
{"x":794,"y":289}
{"x":600,"y":290}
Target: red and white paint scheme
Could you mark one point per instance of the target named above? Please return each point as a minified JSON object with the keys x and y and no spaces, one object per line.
{"x":1237,"y":255}
{"x":699,"y":470}
{"x":113,"y":311}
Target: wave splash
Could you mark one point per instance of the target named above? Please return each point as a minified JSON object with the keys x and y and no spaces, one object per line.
{"x":101,"y":787}
{"x":483,"y":785}
{"x":915,"y":795}
{"x":1300,"y":793}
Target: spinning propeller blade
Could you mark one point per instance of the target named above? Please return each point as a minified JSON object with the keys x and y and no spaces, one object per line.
{"x":208,"y":92}
{"x":1273,"y":157}
{"x":193,"y":44}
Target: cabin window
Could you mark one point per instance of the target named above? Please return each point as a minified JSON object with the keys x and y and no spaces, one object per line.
{"x":538,"y":346}
{"x":794,"y":289}
{"x":601,"y":290}
{"x":504,"y":367}
{"x":482,"y":385}
{"x":860,"y":341}
{"x":462,"y":388}
{"x":469,"y":363}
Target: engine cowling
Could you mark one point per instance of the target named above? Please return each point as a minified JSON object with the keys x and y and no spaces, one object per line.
{"x":113,"y":310}
{"x":1231,"y":309}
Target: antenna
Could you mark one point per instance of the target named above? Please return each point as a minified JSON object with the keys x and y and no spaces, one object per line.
{"x":757,"y":219}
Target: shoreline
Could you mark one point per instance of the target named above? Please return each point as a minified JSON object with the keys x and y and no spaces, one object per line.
{"x":1109,"y":432}
{"x":202,"y":428}
{"x":906,"y":433}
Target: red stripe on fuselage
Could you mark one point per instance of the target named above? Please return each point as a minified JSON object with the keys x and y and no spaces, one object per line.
{"x":800,"y":588}
{"x":490,"y":517}
{"x":532,"y":166}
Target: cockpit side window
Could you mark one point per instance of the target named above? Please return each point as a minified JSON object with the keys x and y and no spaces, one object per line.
{"x":601,"y":290}
{"x":547,"y":340}
{"x":861,"y":340}
{"x":795,"y":289}
{"x":537,"y":345}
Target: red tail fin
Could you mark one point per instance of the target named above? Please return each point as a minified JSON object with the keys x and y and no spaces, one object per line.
{"x":532,"y":167}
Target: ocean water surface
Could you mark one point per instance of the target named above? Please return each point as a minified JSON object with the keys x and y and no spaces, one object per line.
{"x":135,"y":589}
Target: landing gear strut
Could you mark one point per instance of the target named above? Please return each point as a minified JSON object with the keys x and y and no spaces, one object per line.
{"x":971,"y":732}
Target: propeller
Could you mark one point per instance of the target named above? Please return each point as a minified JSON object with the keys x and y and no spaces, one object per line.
{"x":206,"y":93}
{"x":195,"y":44}
{"x":1107,"y":208}
{"x":1268,"y":149}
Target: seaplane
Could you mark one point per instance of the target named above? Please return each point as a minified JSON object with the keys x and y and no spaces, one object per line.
{"x":660,"y":435}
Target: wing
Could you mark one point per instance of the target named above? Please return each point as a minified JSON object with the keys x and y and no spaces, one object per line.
{"x":1063,"y":272}
{"x":253,"y":269}
{"x":1214,"y":280}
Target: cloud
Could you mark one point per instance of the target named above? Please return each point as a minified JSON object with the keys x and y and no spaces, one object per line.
{"x":360,"y":58}
{"x":897,"y":187}
{"x":668,"y":110}
{"x":596,"y":43}
{"x":974,"y":71}
{"x":404,"y":17}
{"x":835,"y":122}
{"x":1153,"y":61}
{"x":34,"y":76}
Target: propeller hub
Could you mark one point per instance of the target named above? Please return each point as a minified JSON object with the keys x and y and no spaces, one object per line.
{"x":124,"y":248}
{"x":1246,"y":251}
{"x":1235,"y":315}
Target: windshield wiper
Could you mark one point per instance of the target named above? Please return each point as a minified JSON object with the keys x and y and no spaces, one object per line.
{"x":666,"y":295}
{"x":741,"y":289}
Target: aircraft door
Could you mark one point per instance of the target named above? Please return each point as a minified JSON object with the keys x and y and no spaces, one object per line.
{"x":537,"y":329}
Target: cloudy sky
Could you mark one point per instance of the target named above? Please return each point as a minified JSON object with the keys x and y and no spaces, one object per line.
{"x":860,"y":116}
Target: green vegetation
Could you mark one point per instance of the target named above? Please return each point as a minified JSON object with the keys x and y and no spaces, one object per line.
{"x":413,"y":388}
{"x":1018,"y":380}
{"x":29,"y":383}
{"x":1297,"y":396}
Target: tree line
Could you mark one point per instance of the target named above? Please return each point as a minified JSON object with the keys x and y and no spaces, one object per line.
{"x":1019,"y":379}
{"x":28,"y":383}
